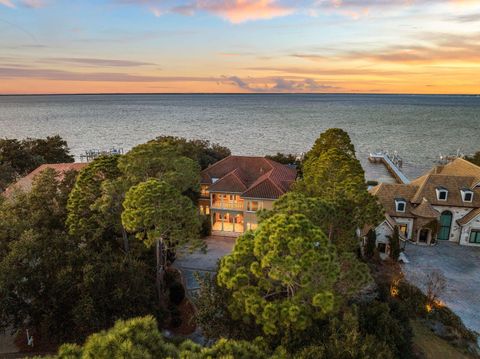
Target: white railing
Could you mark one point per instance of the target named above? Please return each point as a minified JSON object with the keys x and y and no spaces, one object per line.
{"x":227,"y":205}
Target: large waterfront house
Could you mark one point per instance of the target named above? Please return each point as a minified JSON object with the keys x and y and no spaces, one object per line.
{"x":235,"y":188}
{"x":441,"y":205}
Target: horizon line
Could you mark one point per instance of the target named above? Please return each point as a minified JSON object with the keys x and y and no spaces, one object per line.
{"x":237,"y":93}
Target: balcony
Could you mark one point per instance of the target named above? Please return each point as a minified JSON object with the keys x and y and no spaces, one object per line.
{"x":238,"y":206}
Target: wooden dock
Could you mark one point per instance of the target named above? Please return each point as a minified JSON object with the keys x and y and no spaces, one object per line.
{"x":392,"y":163}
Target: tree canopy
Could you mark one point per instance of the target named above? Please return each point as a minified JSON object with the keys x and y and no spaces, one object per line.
{"x":20,"y":157}
{"x":201,"y":151}
{"x":140,"y":338}
{"x":283,"y":275}
{"x":158,"y":160}
{"x":84,"y":219}
{"x":338,"y":179}
{"x":155,"y":209}
{"x":333,"y":138}
{"x":51,"y":283}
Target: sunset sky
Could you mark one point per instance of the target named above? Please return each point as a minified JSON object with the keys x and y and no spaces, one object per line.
{"x":114,"y":46}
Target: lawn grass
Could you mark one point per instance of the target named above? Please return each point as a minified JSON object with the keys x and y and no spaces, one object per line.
{"x":432,"y":346}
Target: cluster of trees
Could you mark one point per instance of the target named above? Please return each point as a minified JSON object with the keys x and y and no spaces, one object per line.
{"x":76,"y":251}
{"x":19,"y":157}
{"x":298,"y":281}
{"x":140,"y":338}
{"x":84,"y":252}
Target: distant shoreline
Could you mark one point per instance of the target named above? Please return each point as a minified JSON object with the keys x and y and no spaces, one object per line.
{"x":240,"y":94}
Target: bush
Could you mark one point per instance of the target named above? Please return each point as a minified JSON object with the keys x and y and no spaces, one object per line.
{"x":172,"y":276}
{"x":448,"y":318}
{"x":175,"y":317}
{"x":206,"y":229}
{"x":413,"y":298}
{"x":176,"y":293}
{"x":388,"y":323}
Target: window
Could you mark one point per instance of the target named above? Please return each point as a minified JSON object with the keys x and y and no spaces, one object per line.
{"x":253,"y":206}
{"x":252,"y":226}
{"x":400,"y":205}
{"x":442,"y":194}
{"x":207,"y":209}
{"x":204,"y":191}
{"x":403,"y":228}
{"x":201,"y":210}
{"x":475,"y":236}
{"x":467,"y":195}
{"x":382,"y":247}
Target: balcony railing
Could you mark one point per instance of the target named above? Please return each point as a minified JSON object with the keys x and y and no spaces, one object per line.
{"x":227,"y":205}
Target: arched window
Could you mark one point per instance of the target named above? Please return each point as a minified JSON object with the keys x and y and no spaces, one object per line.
{"x":445,"y":226}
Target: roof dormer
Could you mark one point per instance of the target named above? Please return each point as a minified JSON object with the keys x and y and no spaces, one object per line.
{"x":400,"y":205}
{"x":442,"y":193}
{"x":467,"y":195}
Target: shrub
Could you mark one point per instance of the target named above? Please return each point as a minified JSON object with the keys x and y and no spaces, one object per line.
{"x":370,"y":244}
{"x":413,"y":298}
{"x":450,"y":319}
{"x":172,"y":275}
{"x":176,"y":293}
{"x":206,"y":229}
{"x":388,"y":323}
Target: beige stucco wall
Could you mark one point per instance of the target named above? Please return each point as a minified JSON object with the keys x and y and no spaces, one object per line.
{"x":465,"y":235}
{"x":251,"y":217}
{"x":458,"y":213}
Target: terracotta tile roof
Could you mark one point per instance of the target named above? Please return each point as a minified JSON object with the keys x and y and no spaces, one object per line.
{"x":425,"y":210}
{"x":453,"y":184}
{"x":421,"y":193}
{"x":25,"y":183}
{"x":231,"y":182}
{"x":253,"y":177}
{"x":474,"y":213}
{"x":459,"y":167}
{"x":388,"y":192}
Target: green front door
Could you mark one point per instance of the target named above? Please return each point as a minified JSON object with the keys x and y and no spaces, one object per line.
{"x":445,"y":226}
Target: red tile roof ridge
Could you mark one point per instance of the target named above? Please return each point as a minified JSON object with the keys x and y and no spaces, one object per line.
{"x":231,"y":173}
{"x":262,"y":179}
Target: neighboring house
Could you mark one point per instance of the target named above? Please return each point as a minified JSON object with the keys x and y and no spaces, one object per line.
{"x":441,"y":205}
{"x":233,"y":189}
{"x":25,"y":183}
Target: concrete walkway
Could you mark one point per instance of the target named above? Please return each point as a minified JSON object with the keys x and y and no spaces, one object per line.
{"x":461,"y":267}
{"x":189,"y":263}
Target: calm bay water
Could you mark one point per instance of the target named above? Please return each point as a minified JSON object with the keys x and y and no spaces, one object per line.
{"x":418,"y":127}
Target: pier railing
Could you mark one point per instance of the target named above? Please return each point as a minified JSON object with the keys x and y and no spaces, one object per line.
{"x":393,"y":163}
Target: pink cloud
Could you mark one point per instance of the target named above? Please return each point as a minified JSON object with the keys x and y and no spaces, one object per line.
{"x":234,"y":11}
{"x":33,"y":3}
{"x":7,"y":3}
{"x":238,"y":11}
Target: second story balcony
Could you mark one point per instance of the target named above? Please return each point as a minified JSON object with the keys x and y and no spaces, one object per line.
{"x":227,"y":205}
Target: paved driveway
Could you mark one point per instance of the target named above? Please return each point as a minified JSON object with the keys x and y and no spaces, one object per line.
{"x":189,"y":263}
{"x":461,"y":267}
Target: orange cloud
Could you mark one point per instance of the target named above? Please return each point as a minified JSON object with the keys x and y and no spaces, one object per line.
{"x":238,"y":11}
{"x":234,"y":11}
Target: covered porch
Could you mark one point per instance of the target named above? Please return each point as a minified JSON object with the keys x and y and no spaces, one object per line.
{"x":227,"y":223}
